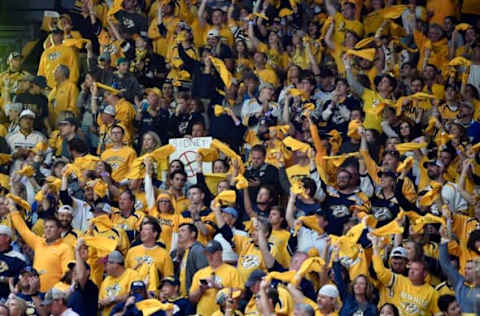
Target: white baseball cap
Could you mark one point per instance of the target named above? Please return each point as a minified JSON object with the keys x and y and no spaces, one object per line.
{"x":109,"y":109}
{"x":27,"y":113}
{"x":65,"y":209}
{"x":5,"y":230}
{"x":213,"y":33}
{"x":329,"y":290}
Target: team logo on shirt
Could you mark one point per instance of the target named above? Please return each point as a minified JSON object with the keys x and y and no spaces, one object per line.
{"x":340,"y":210}
{"x":53,"y":55}
{"x":410,"y":308}
{"x":144,"y":259}
{"x":250,"y":261}
{"x":113,"y":290}
{"x":381,"y":213}
{"x":3,"y":266}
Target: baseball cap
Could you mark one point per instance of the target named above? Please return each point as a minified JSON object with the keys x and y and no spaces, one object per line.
{"x":27,"y":113}
{"x":5,"y":230}
{"x":399,"y":252}
{"x":255,"y":276}
{"x":435,"y":162}
{"x":115,"y":257}
{"x":53,"y":294}
{"x":137,"y":285}
{"x":14,"y":55}
{"x":29,"y":269}
{"x":39,"y":81}
{"x":329,"y":290}
{"x":68,"y":120}
{"x":65,"y":209}
{"x":57,"y":31}
{"x":231,"y":211}
{"x":121,"y":60}
{"x":170,"y":280}
{"x":213,"y":33}
{"x":103,"y":207}
{"x":110,"y":110}
{"x":213,"y":246}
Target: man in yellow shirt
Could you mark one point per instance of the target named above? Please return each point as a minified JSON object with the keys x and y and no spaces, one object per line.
{"x":119,"y":156}
{"x":58,"y":54}
{"x":149,"y":252}
{"x":64,"y":95}
{"x":52,"y":255}
{"x":115,"y":288}
{"x":209,"y":280}
{"x":412,"y":295}
{"x":10,"y":79}
{"x":124,"y":110}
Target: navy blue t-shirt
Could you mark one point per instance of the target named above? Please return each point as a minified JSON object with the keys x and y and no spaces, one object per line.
{"x":84,"y":301}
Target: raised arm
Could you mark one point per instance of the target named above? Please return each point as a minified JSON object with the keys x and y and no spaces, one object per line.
{"x":263,"y":243}
{"x":201,"y":11}
{"x":30,"y":238}
{"x":353,"y":82}
{"x":248,"y":204}
{"x":383,"y":274}
{"x":290,"y":212}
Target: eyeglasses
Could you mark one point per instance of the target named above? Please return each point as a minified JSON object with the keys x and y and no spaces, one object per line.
{"x":164,"y":201}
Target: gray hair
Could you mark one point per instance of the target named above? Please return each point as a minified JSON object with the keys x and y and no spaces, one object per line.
{"x":65,"y":70}
{"x":306,"y":309}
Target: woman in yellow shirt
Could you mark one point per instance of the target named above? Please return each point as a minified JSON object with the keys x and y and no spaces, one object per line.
{"x":276,"y":56}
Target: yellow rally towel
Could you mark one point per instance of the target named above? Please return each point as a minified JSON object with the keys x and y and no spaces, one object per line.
{"x":5,"y":158}
{"x":404,"y":147}
{"x":5,"y":181}
{"x":475,"y":148}
{"x":298,"y":189}
{"x":103,"y":245}
{"x":251,"y":138}
{"x":353,"y":129}
{"x":406,"y":164}
{"x":56,"y":182}
{"x":117,"y":6}
{"x":295,"y":144}
{"x":27,"y":171}
{"x":312,"y":264}
{"x":261,"y":15}
{"x":227,"y":197}
{"x":148,"y":273}
{"x":151,"y":306}
{"x":19,"y":201}
{"x":162,"y":152}
{"x":460,"y":61}
{"x":422,"y":96}
{"x":99,"y":187}
{"x":212,"y":180}
{"x":137,"y":169}
{"x":367,"y":53}
{"x":338,"y":160}
{"x":40,"y":147}
{"x":463,"y":27}
{"x":241,"y":182}
{"x":393,"y":12}
{"x":229,"y":153}
{"x":225,"y":75}
{"x":87,"y":162}
{"x":219,"y":110}
{"x":287,"y":276}
{"x":107,"y":88}
{"x":279,"y":130}
{"x":335,"y":140}
{"x":389,"y":229}
{"x":75,"y":170}
{"x":310,"y":222}
{"x":75,"y":42}
{"x":364,"y":42}
{"x":431,"y":125}
{"x":208,"y":154}
{"x":285,"y":12}
{"x":294,"y":92}
{"x":102,"y":222}
{"x":417,"y":225}
{"x":428,"y":198}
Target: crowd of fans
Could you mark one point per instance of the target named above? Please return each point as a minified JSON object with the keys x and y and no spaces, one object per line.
{"x":343,"y":175}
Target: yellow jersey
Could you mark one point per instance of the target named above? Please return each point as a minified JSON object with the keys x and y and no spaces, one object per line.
{"x":225,"y":275}
{"x":112,"y":287}
{"x":120,"y":160}
{"x":157,"y":255}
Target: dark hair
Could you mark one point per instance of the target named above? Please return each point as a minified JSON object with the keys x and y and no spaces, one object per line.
{"x":53,"y":219}
{"x":130,"y":194}
{"x":392,"y":80}
{"x":309,"y":183}
{"x":118,"y":126}
{"x":472,"y":239}
{"x":192,"y":228}
{"x":196,"y":186}
{"x":78,"y":145}
{"x":150,"y":220}
{"x":307,"y":75}
{"x":259,"y":148}
{"x":179,"y":171}
{"x":444,"y":301}
{"x":393,"y":307}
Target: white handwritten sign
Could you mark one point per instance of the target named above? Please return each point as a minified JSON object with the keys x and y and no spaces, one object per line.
{"x":186,"y":151}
